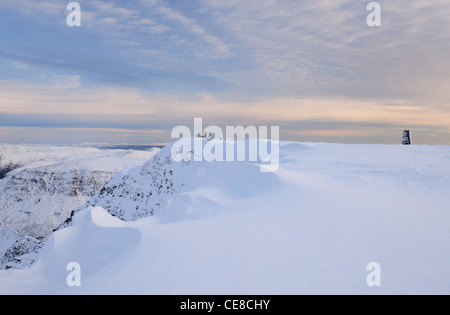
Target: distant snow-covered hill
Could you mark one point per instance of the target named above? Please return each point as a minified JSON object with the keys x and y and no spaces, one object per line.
{"x":15,"y":156}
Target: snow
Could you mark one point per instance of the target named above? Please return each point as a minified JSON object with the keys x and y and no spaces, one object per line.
{"x":39,"y":196}
{"x":16,"y":250}
{"x":227,"y":228}
{"x":13,"y":156}
{"x":45,"y":186}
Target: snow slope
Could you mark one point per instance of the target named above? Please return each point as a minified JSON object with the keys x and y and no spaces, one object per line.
{"x":311,"y":227}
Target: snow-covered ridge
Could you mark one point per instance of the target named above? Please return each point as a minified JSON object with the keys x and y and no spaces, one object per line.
{"x":168,"y":188}
{"x":143,"y":191}
{"x":44,"y":188}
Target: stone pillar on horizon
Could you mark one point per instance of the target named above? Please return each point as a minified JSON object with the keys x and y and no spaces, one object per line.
{"x":406,"y":137}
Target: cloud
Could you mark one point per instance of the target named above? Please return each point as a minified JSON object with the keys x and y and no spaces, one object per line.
{"x":325,"y":47}
{"x":123,"y":72}
{"x":132,"y":114}
{"x":81,"y":136}
{"x":35,"y":7}
{"x":182,"y":32}
{"x":64,"y":81}
{"x":290,"y":48}
{"x":56,"y":99}
{"x":64,"y":98}
{"x":221,"y":49}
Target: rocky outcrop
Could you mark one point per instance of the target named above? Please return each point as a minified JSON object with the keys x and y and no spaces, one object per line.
{"x":34,"y":202}
{"x":143,"y":191}
{"x":16,"y":251}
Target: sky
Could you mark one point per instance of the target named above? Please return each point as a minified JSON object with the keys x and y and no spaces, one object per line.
{"x":136,"y":69}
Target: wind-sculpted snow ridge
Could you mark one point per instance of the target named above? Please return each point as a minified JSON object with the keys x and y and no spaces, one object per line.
{"x":94,"y":241}
{"x":185,"y":189}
